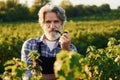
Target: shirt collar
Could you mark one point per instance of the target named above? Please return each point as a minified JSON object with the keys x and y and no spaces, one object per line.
{"x":41,"y":39}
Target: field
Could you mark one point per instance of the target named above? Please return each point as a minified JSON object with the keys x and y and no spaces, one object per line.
{"x":83,"y":34}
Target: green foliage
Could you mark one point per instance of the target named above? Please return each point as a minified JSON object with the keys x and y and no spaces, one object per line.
{"x":98,"y":64}
{"x":92,"y":33}
{"x":2,"y":5}
{"x":40,"y":2}
{"x":85,"y":10}
{"x":119,"y":7}
{"x":105,"y":7}
{"x":70,"y":66}
{"x":12,"y":10}
{"x":15,"y":68}
{"x":18,"y":13}
{"x":106,"y":61}
{"x":83,"y":34}
{"x":12,"y":37}
{"x":33,"y":12}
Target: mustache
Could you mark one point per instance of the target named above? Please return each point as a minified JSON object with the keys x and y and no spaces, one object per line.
{"x":57,"y":31}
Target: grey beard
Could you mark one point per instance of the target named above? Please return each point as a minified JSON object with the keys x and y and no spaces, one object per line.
{"x":52,"y":36}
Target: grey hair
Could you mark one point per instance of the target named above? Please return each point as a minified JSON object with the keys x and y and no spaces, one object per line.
{"x":54,"y":8}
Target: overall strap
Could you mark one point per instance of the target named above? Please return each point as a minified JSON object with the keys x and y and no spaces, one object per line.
{"x":39,"y":51}
{"x":39,"y":47}
{"x":47,"y":63}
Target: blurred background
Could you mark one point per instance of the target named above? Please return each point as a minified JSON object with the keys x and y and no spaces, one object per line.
{"x":23,"y":10}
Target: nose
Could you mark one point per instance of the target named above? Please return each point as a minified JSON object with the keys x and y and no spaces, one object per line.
{"x":52,"y":25}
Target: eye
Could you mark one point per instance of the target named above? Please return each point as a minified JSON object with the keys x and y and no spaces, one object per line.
{"x":47,"y":22}
{"x":56,"y":21}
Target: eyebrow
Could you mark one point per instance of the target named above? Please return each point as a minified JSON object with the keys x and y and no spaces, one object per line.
{"x":51,"y":21}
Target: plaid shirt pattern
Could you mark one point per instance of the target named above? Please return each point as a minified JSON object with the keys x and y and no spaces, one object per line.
{"x":31,"y":44}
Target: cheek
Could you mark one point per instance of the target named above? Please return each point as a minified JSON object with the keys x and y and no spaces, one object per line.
{"x":59,"y":26}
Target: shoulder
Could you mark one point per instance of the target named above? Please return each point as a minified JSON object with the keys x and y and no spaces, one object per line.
{"x":30,"y":42}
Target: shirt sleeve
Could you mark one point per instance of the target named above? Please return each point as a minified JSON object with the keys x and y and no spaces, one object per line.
{"x":26,"y":48}
{"x":73,"y":48}
{"x":24,"y":55}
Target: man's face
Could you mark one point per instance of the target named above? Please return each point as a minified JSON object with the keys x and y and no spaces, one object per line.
{"x":50,"y":25}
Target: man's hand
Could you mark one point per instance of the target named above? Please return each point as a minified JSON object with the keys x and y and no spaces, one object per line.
{"x":65,"y":41}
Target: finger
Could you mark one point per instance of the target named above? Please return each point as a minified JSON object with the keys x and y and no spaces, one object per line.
{"x":65,"y":32}
{"x":65,"y":36}
{"x":63,"y":39}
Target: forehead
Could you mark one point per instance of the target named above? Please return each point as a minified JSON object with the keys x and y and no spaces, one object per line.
{"x":51,"y":16}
